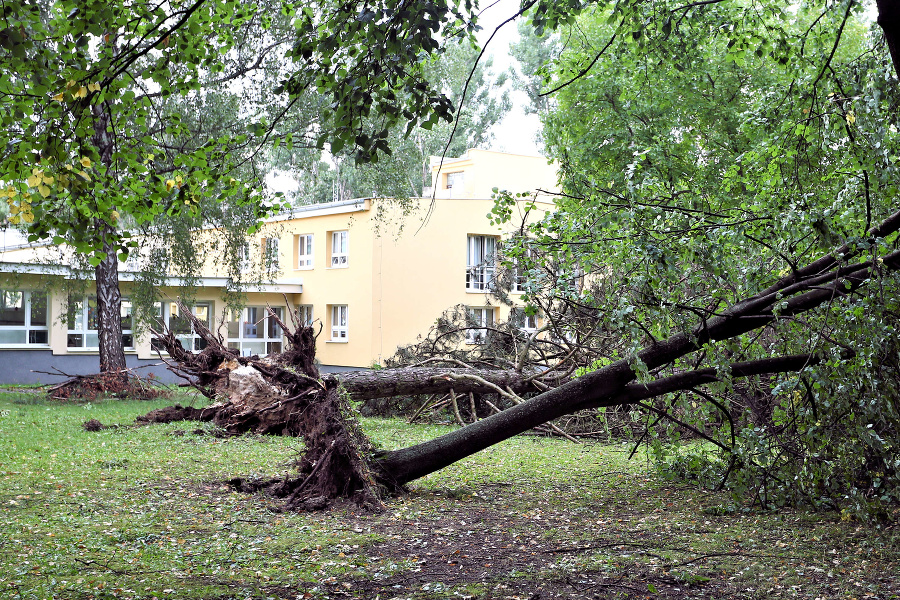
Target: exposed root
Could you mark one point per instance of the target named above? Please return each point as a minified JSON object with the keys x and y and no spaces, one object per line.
{"x":281,"y":395}
{"x":119,"y":385}
{"x":95,"y":425}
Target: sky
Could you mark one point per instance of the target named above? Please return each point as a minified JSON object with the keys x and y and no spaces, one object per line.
{"x":517,"y":131}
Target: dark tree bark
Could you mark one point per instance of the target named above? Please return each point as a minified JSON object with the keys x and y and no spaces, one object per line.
{"x":409,"y":381}
{"x":889,"y":20}
{"x":106,"y":273}
{"x":109,"y":307}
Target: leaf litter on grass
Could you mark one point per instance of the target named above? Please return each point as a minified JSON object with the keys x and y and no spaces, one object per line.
{"x":140,"y":513}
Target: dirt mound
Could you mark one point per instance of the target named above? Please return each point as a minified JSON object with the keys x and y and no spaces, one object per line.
{"x":170,"y":414}
{"x":119,"y":385}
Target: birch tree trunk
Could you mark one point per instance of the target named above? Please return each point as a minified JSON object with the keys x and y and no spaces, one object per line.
{"x":109,"y":309}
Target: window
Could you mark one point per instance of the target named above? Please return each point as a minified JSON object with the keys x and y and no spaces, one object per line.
{"x":479,"y":317}
{"x":520,"y":272}
{"x":245,"y":262}
{"x":270,"y":254}
{"x":305,"y":314}
{"x":23,"y":318}
{"x":126,"y":315}
{"x":253,"y":332}
{"x":525,"y":322}
{"x":304,"y":251}
{"x":167,"y":313}
{"x":339,"y":323}
{"x":455,"y":180}
{"x":480,"y":265}
{"x":339,"y":241}
{"x":83,"y":322}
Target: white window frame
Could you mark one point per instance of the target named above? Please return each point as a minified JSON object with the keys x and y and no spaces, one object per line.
{"x":305,"y":250}
{"x":454,"y":179}
{"x":82,"y":323}
{"x":340,"y":322}
{"x":27,"y":327}
{"x":127,"y":320}
{"x":251,"y":320}
{"x":340,"y":249}
{"x":78,"y":322}
{"x":483,"y":316}
{"x":305,"y":314}
{"x":481,"y":262}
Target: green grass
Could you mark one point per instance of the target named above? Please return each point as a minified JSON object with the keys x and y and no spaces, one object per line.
{"x":141,"y":513}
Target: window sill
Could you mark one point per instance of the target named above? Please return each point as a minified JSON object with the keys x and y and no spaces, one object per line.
{"x":484,"y":291}
{"x":305,"y":268}
{"x":95,"y":350}
{"x":24,"y":346}
{"x":337,"y":267}
{"x":336,"y":341}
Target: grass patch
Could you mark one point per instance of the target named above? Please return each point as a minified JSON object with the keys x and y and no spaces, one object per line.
{"x":138,"y":513}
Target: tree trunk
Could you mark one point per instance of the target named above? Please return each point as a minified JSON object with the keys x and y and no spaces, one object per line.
{"x":889,"y":20}
{"x":411,"y":381}
{"x":106,"y":273}
{"x":601,"y":388}
{"x":109,"y":310}
{"x":290,"y":400}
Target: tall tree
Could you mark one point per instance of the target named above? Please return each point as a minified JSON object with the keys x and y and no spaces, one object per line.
{"x":406,"y":171}
{"x":714,"y":199}
{"x":123,"y":123}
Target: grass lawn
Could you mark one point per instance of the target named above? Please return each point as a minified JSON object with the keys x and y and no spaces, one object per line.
{"x":142,"y":513}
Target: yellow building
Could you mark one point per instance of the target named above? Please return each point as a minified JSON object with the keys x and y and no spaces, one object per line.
{"x":372,"y":273}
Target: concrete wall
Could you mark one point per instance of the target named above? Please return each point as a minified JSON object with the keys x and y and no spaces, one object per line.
{"x":39,"y":366}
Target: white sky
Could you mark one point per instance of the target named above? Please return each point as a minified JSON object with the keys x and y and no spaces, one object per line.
{"x":516,"y":132}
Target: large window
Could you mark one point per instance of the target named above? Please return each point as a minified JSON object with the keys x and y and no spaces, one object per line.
{"x":83,"y":323}
{"x":305,"y":251}
{"x":339,"y":319}
{"x":180,"y":325}
{"x":23,"y":318}
{"x":339,"y":247}
{"x":481,"y":262}
{"x":253,"y":332}
{"x":479,"y":317}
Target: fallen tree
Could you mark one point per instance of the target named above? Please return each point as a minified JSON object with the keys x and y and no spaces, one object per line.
{"x":284,"y":394}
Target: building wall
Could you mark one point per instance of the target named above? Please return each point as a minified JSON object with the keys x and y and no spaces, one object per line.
{"x":402,"y":272}
{"x":484,"y":170}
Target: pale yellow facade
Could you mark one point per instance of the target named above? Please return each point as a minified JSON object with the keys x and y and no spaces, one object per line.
{"x":372,"y":274}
